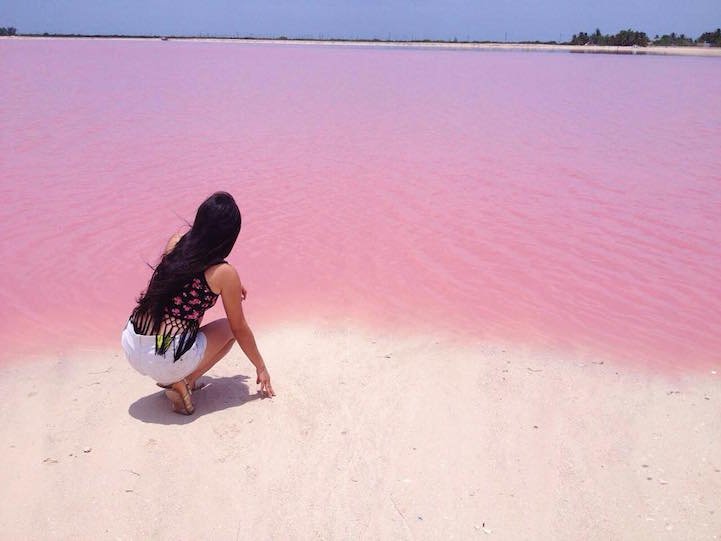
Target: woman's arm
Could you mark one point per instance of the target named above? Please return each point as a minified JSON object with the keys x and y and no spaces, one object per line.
{"x":232,"y":293}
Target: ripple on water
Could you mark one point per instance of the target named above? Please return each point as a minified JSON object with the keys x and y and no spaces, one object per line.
{"x":428,"y":190}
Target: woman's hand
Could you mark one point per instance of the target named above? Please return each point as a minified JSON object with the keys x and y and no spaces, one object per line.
{"x":264,"y":380}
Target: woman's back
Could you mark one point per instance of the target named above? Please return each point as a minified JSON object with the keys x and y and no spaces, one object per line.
{"x":181,"y":315}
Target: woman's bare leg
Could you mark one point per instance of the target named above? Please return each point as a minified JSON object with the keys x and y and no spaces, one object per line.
{"x":219,"y":341}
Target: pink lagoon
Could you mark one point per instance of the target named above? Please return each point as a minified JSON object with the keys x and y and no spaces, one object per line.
{"x":570,"y":202}
{"x":486,"y":286}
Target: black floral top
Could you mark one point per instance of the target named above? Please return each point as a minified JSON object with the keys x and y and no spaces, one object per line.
{"x":182,"y":317}
{"x":193,"y":300}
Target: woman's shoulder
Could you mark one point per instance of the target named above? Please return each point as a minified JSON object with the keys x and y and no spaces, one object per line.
{"x":220,"y":266}
{"x":219,"y":274}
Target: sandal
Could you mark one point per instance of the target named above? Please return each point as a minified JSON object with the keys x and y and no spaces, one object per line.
{"x":181,"y":403}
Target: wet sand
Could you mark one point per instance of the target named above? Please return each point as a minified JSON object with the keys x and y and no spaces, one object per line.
{"x":371,"y":436}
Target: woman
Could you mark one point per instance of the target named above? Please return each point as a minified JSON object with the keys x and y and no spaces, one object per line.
{"x":163,"y":338}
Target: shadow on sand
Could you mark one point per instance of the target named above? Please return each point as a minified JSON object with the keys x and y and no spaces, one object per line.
{"x":217,"y":395}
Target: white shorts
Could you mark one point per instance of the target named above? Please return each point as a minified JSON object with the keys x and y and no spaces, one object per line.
{"x":140,"y":351}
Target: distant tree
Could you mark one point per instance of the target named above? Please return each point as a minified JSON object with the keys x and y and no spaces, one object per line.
{"x":712,"y":38}
{"x":580,"y":39}
{"x":627,"y":38}
{"x":673,"y":39}
{"x":597,"y":38}
{"x":8,"y":31}
{"x":624,"y":38}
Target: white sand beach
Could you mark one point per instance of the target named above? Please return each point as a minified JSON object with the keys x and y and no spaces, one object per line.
{"x":527,"y":47}
{"x":371,"y":436}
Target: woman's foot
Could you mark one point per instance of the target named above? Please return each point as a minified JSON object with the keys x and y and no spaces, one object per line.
{"x":179,"y":396}
{"x":195,"y":385}
{"x":192,"y":385}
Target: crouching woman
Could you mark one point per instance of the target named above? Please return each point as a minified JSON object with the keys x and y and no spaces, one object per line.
{"x":164,"y":338}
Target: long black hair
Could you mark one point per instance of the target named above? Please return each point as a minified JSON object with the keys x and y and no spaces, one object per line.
{"x":209,"y":241}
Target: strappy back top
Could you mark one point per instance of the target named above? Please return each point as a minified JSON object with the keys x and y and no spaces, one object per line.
{"x":181,"y":318}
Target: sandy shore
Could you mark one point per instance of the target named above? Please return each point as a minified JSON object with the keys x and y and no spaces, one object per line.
{"x":371,"y":436}
{"x":528,"y":47}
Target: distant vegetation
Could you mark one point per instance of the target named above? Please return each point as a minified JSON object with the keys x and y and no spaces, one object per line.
{"x":712,"y":38}
{"x":631,"y":37}
{"x":673,"y":39}
{"x":624,"y":38}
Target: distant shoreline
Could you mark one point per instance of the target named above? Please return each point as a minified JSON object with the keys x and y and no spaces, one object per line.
{"x":489,"y":46}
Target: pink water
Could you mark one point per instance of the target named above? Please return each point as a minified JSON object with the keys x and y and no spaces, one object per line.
{"x":569,"y":202}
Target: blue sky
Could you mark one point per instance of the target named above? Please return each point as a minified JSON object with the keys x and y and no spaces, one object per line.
{"x":399,"y":19}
